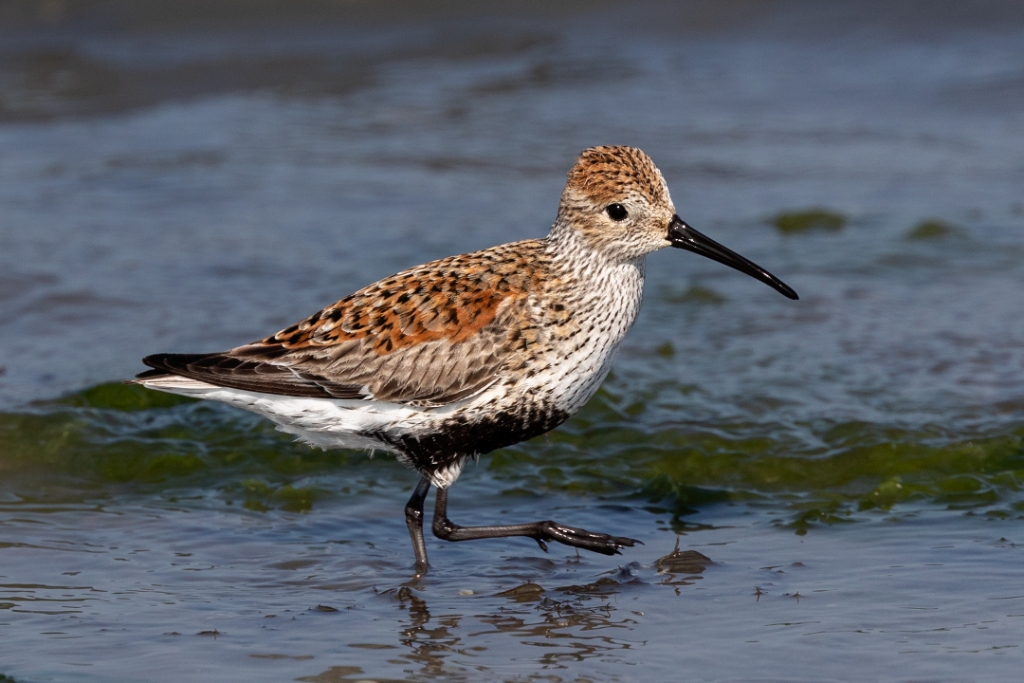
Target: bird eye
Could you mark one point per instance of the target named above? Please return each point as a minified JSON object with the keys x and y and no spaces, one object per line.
{"x":617,"y":212}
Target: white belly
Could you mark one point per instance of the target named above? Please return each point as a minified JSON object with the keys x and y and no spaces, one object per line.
{"x":327,"y":423}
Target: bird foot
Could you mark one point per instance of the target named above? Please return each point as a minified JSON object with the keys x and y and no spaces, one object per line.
{"x":580,"y":538}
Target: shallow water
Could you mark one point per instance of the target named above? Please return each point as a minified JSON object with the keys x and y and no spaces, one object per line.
{"x":850,"y":464}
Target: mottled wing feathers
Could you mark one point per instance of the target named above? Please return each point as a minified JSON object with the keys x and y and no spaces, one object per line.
{"x":428,"y":336}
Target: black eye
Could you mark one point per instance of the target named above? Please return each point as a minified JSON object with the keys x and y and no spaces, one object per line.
{"x":617,"y":212}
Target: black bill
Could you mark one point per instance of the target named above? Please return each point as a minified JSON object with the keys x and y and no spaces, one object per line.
{"x":683,"y":236}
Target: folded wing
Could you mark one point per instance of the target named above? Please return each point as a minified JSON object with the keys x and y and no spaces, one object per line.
{"x":429,"y":336}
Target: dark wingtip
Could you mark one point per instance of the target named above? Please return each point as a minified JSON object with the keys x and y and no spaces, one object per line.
{"x":169,"y":362}
{"x":164,"y":364}
{"x":147,"y":374}
{"x":154,"y":361}
{"x":157,"y":360}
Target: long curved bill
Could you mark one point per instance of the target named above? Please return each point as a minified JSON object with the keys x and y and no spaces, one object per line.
{"x":683,"y":236}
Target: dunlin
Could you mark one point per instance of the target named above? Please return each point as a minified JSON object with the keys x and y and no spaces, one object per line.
{"x":461,"y":356}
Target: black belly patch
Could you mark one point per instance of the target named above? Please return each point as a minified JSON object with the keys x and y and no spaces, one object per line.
{"x":459,"y":438}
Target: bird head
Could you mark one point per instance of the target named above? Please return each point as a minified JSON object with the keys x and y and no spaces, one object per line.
{"x":616,"y":199}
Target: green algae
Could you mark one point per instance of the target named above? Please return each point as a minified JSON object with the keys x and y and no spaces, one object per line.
{"x":93,"y":444}
{"x":114,"y":435}
{"x":859,"y":468}
{"x":120,"y":396}
{"x":260,"y":496}
{"x":807,"y":220}
{"x":932,"y":229}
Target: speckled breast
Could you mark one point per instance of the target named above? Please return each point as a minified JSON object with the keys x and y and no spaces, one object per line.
{"x":583,"y":341}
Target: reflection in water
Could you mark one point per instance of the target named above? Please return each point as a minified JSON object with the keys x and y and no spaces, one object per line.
{"x":559,"y":625}
{"x":428,"y":643}
{"x":346,"y":674}
{"x":32,"y":598}
{"x":567,"y":624}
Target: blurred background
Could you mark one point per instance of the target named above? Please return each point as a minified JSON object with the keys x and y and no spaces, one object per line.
{"x":189,"y":176}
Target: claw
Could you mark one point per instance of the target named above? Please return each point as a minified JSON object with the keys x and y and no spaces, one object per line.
{"x":542,"y":544}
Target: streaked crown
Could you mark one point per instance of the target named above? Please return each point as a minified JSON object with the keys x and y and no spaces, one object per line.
{"x":609,"y":173}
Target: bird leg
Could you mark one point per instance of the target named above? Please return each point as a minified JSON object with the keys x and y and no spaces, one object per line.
{"x":542,"y":532}
{"x":414,"y":520}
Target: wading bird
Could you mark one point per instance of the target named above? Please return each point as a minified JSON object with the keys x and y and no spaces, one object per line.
{"x":458,"y":357}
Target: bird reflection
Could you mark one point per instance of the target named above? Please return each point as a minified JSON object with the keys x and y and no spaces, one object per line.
{"x":553,"y":627}
{"x":428,"y":644}
{"x":570,"y":623}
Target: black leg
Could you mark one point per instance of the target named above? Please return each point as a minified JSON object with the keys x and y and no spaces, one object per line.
{"x":414,"y":520}
{"x":539,"y":531}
